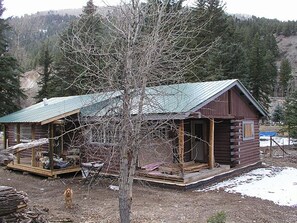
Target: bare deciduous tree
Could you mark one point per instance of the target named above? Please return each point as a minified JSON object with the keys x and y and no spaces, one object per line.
{"x":141,"y":45}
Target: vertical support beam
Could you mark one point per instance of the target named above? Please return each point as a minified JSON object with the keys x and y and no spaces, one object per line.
{"x":229,"y":102}
{"x":33,"y":135}
{"x":62,"y":138}
{"x":211,"y":160}
{"x":18,"y":140}
{"x":181,"y":141}
{"x":51,"y":146}
{"x":4,"y":136}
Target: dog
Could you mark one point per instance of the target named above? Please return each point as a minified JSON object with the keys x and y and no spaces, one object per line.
{"x":68,"y":196}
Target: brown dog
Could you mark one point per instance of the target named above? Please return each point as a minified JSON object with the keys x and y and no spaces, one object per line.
{"x":68,"y":195}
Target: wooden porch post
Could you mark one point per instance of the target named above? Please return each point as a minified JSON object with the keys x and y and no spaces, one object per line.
{"x":51,"y":145}
{"x":18,"y":140}
{"x":4,"y":137}
{"x":181,"y":141}
{"x":33,"y":135}
{"x":211,"y":160}
{"x":62,"y":139}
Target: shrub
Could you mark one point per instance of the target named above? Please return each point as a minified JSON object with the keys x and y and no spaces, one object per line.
{"x":219,"y":217}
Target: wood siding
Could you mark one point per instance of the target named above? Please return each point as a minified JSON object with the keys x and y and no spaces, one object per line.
{"x":229,"y":110}
{"x":40,"y":132}
{"x":217,"y":107}
{"x":229,"y":105}
{"x":244,"y":152}
{"x":241,"y":107}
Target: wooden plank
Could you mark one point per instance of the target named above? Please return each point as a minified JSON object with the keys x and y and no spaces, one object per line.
{"x":211,"y":144}
{"x":181,"y":141}
{"x":33,"y":135}
{"x":41,"y":171}
{"x":196,"y":167}
{"x":18,"y":137}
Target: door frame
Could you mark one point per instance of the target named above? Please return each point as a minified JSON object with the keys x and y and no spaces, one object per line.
{"x":204,"y":138}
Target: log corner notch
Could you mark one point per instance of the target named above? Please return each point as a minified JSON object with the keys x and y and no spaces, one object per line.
{"x":211,"y":161}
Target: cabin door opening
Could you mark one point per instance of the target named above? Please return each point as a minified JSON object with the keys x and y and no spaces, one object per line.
{"x":198,"y":141}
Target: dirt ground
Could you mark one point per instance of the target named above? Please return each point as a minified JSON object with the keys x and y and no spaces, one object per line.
{"x":150,"y":204}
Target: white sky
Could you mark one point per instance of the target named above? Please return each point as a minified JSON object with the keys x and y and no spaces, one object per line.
{"x":282,"y":10}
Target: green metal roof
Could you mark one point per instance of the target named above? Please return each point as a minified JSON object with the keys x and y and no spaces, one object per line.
{"x":181,"y":99}
{"x":53,"y":109}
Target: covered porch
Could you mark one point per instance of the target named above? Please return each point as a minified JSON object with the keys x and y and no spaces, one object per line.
{"x":41,"y":149}
{"x":195,"y":158}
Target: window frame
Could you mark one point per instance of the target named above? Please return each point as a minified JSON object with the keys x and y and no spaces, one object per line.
{"x":25,"y":130}
{"x":244,"y":130}
{"x":106,"y":135}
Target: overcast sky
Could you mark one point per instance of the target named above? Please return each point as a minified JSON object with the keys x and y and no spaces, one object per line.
{"x":282,"y":10}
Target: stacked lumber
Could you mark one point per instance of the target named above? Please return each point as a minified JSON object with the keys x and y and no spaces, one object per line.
{"x":194,"y":167}
{"x":187,"y":167}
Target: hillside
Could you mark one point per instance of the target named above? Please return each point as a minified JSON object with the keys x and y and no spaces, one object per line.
{"x":288,"y":49}
{"x":30,"y":33}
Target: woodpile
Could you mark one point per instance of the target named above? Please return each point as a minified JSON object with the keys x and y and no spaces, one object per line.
{"x":13,"y":207}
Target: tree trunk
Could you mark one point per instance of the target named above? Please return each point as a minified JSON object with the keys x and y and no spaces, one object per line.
{"x":124,"y":199}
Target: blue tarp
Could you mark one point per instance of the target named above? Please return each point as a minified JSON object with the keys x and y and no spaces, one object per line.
{"x":267,"y":133}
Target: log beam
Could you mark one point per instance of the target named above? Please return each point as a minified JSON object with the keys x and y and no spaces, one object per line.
{"x":211,"y":160}
{"x":33,"y":135}
{"x":18,"y":139}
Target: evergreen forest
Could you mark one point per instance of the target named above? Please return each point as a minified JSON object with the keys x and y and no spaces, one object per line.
{"x":230,"y":47}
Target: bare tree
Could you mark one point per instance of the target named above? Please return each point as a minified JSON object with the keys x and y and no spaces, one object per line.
{"x":142,"y":45}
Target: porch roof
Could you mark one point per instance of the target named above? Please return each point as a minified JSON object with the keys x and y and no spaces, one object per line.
{"x":53,"y":109}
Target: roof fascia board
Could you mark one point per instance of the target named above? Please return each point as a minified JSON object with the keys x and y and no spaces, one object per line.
{"x":60,"y":116}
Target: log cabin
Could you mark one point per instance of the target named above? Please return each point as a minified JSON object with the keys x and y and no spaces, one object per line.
{"x":216,"y":131}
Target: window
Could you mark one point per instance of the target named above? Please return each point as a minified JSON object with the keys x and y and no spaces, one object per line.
{"x":248,"y":131}
{"x":155,"y":133}
{"x":25,"y":133}
{"x":103,"y":135}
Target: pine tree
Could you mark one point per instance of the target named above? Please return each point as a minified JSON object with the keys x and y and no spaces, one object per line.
{"x":278,"y":114}
{"x":262,"y":71}
{"x":290,"y":114}
{"x":285,"y":75}
{"x":45,"y":61}
{"x":10,"y":91}
{"x":70,"y":77}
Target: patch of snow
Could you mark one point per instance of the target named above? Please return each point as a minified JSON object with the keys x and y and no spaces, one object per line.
{"x":265,"y":141}
{"x":276,"y":184}
{"x":113,"y":187}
